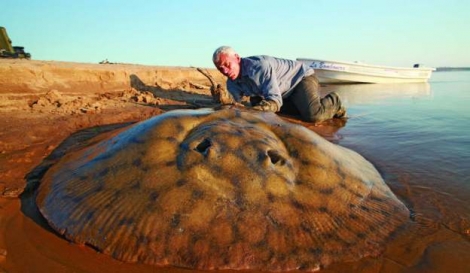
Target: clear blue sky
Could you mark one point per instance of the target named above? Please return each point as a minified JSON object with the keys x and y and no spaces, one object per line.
{"x":185,"y":33}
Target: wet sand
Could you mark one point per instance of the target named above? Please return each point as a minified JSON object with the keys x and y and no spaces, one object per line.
{"x":43,"y":105}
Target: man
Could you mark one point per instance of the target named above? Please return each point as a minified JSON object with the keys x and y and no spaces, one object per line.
{"x":275,"y":84}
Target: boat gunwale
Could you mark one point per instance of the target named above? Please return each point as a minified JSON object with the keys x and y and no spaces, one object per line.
{"x":376,"y":75}
{"x":365,"y":65}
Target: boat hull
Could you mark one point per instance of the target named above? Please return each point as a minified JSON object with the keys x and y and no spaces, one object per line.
{"x":343,"y":72}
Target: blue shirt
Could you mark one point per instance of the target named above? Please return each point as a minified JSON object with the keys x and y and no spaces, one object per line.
{"x":268,"y":77}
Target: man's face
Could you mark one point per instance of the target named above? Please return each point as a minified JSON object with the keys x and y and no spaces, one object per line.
{"x":229,"y":65}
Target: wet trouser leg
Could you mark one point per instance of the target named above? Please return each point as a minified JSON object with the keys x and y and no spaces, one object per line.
{"x":306,"y":99}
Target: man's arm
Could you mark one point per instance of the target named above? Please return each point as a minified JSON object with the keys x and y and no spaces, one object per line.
{"x":269,"y":86}
{"x":234,"y":90}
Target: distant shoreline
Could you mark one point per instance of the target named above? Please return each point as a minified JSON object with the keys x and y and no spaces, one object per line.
{"x":452,"y":68}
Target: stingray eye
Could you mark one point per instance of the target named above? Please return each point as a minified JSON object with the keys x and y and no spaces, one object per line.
{"x":276,"y":157}
{"x":204,"y":146}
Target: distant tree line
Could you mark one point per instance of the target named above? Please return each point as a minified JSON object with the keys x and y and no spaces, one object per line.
{"x":446,"y":68}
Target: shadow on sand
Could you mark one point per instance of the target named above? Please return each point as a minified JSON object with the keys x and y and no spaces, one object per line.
{"x":191,"y":99}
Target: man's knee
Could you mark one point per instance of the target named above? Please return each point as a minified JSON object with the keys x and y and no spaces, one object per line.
{"x":310,"y":83}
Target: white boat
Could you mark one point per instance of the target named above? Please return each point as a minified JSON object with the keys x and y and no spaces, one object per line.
{"x":349,"y":72}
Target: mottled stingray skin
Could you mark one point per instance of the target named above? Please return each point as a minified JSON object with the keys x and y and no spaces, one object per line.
{"x":221,"y":189}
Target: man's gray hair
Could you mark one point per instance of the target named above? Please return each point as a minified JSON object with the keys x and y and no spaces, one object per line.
{"x":222,"y":50}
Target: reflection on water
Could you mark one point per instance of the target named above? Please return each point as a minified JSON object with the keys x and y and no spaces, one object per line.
{"x":371,"y":93}
{"x":418,"y":136}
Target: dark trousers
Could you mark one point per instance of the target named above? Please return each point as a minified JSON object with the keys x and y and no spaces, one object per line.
{"x":305,"y":100}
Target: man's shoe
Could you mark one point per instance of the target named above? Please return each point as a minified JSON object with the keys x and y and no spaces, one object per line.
{"x":341,"y":113}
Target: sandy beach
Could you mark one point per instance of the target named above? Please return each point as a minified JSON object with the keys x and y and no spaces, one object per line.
{"x":43,"y":103}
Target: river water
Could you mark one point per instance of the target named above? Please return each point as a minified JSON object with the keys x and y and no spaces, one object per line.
{"x":418,"y":137}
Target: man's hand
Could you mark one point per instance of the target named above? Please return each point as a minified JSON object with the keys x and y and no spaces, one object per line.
{"x":267,"y":106}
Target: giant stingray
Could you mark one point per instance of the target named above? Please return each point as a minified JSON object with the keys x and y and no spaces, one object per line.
{"x":227,"y":189}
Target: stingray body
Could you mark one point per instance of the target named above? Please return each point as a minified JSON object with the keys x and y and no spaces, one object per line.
{"x":227,"y":189}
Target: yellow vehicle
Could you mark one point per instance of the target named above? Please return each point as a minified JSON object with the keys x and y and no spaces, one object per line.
{"x":9,"y":51}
